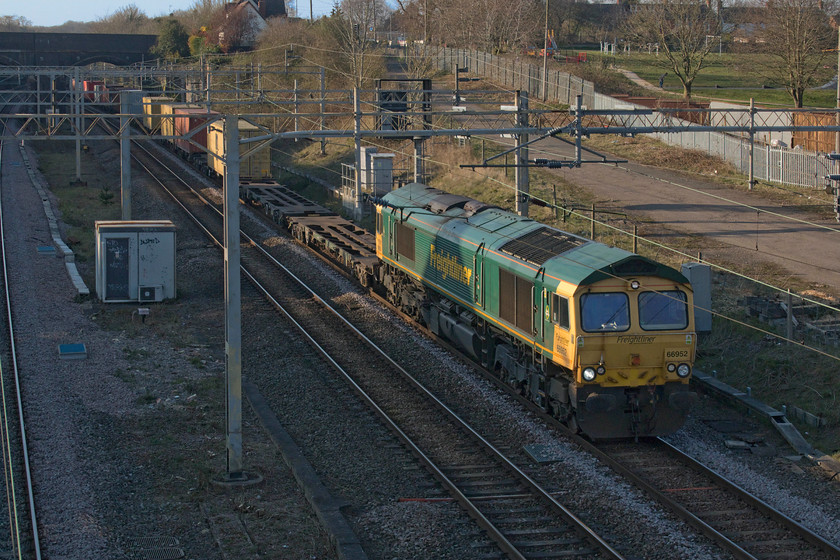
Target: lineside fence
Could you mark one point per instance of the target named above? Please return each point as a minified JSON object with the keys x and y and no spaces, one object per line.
{"x":791,"y":166}
{"x":516,"y":74}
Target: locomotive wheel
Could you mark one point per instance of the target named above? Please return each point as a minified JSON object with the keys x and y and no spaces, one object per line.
{"x":573,"y":424}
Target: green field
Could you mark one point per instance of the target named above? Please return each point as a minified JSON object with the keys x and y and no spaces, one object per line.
{"x":732,"y":77}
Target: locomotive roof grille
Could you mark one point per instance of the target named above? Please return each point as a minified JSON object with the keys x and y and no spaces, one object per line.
{"x":541,"y":244}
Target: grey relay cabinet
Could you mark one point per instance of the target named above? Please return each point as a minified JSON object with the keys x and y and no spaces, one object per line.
{"x":135,"y":260}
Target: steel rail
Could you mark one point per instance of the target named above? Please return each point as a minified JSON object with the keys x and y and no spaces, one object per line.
{"x":16,"y":376}
{"x":466,"y":502}
{"x":803,"y":532}
{"x":6,"y":443}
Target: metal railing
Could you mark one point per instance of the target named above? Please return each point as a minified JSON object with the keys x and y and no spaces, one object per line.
{"x":514,"y":73}
{"x":791,"y":166}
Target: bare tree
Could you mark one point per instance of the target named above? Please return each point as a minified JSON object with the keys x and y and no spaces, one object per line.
{"x":493,"y":25}
{"x":14,"y":23}
{"x":200,"y":14}
{"x":681,"y":30}
{"x":231,"y":28}
{"x":128,"y":19}
{"x":352,"y":25}
{"x":798,"y":36}
{"x":419,"y":63}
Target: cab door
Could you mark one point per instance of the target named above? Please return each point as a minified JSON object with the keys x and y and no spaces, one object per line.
{"x":478,"y":276}
{"x":541,"y":311}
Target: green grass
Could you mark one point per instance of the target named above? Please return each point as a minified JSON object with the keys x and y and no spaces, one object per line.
{"x":80,"y":205}
{"x":730,"y":77}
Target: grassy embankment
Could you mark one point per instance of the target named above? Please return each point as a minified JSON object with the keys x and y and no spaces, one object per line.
{"x":735,"y":78}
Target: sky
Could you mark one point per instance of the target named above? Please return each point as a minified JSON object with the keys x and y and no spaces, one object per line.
{"x":56,"y":12}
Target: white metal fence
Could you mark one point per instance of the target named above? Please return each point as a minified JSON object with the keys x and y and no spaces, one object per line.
{"x":790,"y":166}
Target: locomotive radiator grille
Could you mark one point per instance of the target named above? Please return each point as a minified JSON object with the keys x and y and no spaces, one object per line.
{"x":541,"y":244}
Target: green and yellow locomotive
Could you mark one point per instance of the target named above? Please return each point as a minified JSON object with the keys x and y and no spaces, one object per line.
{"x":601,"y":338}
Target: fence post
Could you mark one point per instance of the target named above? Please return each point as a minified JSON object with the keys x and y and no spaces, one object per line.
{"x":569,"y":90}
{"x":789,"y":316}
{"x":592,"y":224}
{"x":751,"y":183}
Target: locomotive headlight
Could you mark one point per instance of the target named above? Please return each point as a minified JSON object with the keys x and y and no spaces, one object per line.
{"x":635,"y":285}
{"x":589,"y":374}
{"x":601,"y":370}
{"x":683,"y":370}
{"x":672,"y":368}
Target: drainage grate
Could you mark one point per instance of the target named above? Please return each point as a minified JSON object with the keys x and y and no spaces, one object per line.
{"x":153,"y":542}
{"x":155,"y":548}
{"x":160,"y":554}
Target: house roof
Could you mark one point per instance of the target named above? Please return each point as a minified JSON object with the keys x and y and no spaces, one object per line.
{"x":272,"y":8}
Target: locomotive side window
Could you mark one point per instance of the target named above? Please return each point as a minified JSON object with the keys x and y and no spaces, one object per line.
{"x":405,"y":240}
{"x":663,"y":310}
{"x":607,"y":312}
{"x":560,"y":311}
{"x":515,"y":305}
{"x":379,"y":222}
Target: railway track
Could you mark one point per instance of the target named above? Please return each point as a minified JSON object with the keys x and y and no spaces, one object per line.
{"x":522,"y":518}
{"x":740,"y":522}
{"x":18,"y":524}
{"x":501,"y":497}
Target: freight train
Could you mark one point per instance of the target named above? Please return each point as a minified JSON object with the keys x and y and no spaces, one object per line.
{"x":598,"y":337}
{"x":601,"y":338}
{"x":194,"y":132}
